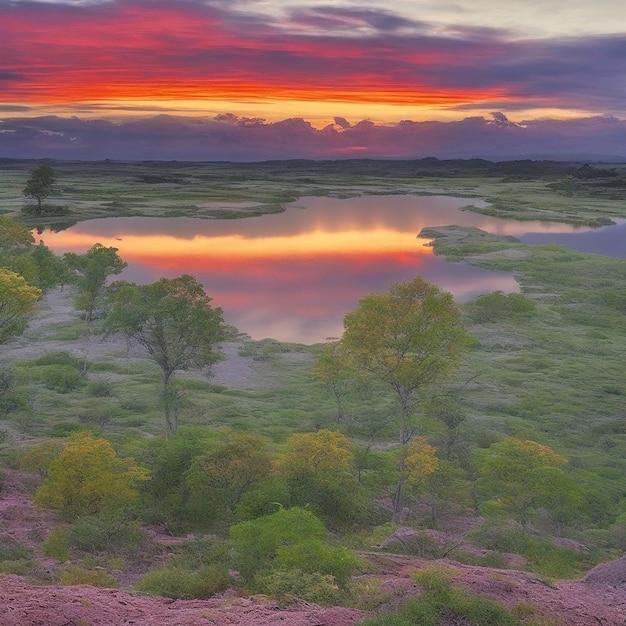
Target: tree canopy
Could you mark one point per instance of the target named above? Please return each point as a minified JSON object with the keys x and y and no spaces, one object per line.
{"x":17,"y":303}
{"x":93,"y":269}
{"x":174,"y":321}
{"x":40,"y":185}
{"x":407,"y":338}
{"x":88,"y":477}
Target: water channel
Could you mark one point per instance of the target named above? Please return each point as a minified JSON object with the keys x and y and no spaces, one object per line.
{"x":292,"y":276}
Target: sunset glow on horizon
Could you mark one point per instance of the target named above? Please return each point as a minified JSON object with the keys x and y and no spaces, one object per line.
{"x":277,"y":60}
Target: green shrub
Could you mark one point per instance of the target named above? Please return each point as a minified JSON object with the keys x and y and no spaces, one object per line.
{"x":107,"y":533}
{"x":21,"y":567}
{"x":441,"y":602}
{"x":179,"y":583}
{"x":257,"y":542}
{"x":316,"y":557}
{"x":57,"y":545}
{"x":79,"y":576}
{"x":287,"y":586}
{"x":11,"y":550}
{"x":99,"y":388}
{"x":503,"y":536}
{"x":199,"y":552}
{"x":60,"y":358}
{"x":497,"y":306}
{"x":64,"y":429}
{"x":60,"y":378}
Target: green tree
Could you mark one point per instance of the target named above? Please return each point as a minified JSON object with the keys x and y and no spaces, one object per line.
{"x":17,"y":303}
{"x":40,"y":185}
{"x":333,"y":369}
{"x":225,"y":473}
{"x":409,"y":339}
{"x":174,"y":321}
{"x":88,"y":478}
{"x":167,"y":498}
{"x":318,"y":470}
{"x":14,"y":234}
{"x":520,"y":477}
{"x":93,"y":269}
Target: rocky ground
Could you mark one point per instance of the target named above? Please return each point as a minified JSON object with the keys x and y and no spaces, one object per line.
{"x":597,"y":599}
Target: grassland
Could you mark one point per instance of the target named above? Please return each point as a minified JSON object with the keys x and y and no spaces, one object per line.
{"x":566,"y":192}
{"x":554,"y":374}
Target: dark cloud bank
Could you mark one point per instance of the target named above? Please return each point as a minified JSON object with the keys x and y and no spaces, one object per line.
{"x":230,"y":138}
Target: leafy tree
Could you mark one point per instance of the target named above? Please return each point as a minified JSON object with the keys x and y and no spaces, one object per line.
{"x":168,"y":497}
{"x":38,"y":457}
{"x":324,"y":453}
{"x":93,"y":269}
{"x":225,"y":473}
{"x":40,"y":185}
{"x":419,"y":461}
{"x":415,"y":461}
{"x":174,"y":321}
{"x":14,"y":234}
{"x":409,"y":339}
{"x":17,"y":303}
{"x":318,"y":469}
{"x":51,"y":269}
{"x":333,"y":369}
{"x":88,"y":478}
{"x":520,"y":477}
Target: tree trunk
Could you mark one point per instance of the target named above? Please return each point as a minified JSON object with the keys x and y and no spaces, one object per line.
{"x":171,"y":421}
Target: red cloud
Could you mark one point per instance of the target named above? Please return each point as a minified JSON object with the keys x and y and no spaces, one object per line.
{"x":63,"y":54}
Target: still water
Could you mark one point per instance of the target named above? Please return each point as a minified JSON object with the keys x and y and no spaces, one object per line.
{"x":292,"y":276}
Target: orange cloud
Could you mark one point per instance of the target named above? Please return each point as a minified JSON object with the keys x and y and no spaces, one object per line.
{"x":125,"y":51}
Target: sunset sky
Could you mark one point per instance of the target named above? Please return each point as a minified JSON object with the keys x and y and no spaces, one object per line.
{"x":252,"y":62}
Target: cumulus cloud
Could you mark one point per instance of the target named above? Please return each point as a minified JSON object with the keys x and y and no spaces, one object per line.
{"x":231,"y":138}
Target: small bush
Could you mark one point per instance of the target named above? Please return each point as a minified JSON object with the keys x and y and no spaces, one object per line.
{"x":287,"y":586}
{"x":179,"y":583}
{"x":195,"y":554}
{"x":316,"y":557}
{"x":21,"y":567}
{"x":11,"y":550}
{"x":505,"y":536}
{"x":106,"y":533}
{"x":60,"y":358}
{"x":57,"y":545}
{"x":99,"y":388}
{"x":496,"y":306}
{"x":80,"y":576}
{"x":64,"y":429}
{"x":441,"y":602}
{"x":60,"y":378}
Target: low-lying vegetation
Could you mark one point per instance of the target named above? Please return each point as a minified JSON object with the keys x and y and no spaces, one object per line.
{"x":288,"y":488}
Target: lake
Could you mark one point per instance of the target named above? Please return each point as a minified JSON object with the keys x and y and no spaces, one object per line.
{"x":292,"y":276}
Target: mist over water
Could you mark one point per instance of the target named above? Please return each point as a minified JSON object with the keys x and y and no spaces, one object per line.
{"x":292,"y":276}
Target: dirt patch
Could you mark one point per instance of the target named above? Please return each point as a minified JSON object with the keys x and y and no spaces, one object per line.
{"x":28,"y":605}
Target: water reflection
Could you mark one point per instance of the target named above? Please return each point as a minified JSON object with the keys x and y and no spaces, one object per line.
{"x":293,"y":276}
{"x":607,"y":240}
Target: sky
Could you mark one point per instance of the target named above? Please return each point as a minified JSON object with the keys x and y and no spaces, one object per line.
{"x":255,"y":79}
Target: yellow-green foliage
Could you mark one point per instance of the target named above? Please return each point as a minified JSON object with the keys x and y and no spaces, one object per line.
{"x":88,"y":477}
{"x":17,"y":303}
{"x":80,"y":576}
